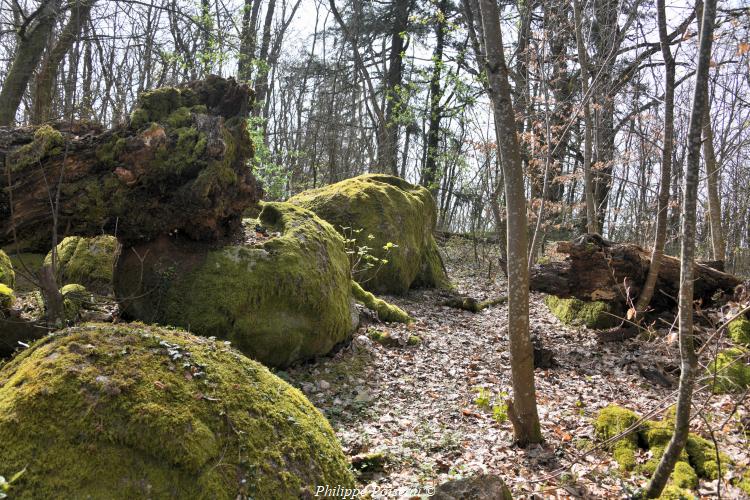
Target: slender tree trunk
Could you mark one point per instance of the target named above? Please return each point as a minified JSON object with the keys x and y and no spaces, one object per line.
{"x":588,"y":187}
{"x":690,"y":195}
{"x":522,"y":409}
{"x":248,"y":39}
{"x":32,"y":41}
{"x":261,"y":80}
{"x":666,"y":164}
{"x":45,"y":79}
{"x":713,"y":184}
{"x":431,"y":174}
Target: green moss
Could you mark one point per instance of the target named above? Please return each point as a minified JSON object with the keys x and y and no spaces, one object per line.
{"x":87,"y":261}
{"x":731,"y":371}
{"x":130,"y":411}
{"x":684,"y":476}
{"x":595,"y":315}
{"x":739,"y":331}
{"x":138,"y":118}
{"x":391,"y":210}
{"x":6,"y":297}
{"x":280,"y":300}
{"x":673,"y":492}
{"x":75,"y":298}
{"x":702,"y":453}
{"x":385,"y":311}
{"x":744,"y":483}
{"x":612,"y":421}
{"x":47,"y":142}
{"x":697,"y":460}
{"x":7,"y":276}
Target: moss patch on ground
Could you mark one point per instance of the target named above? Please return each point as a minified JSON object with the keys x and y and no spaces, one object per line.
{"x":86,"y":261}
{"x":375,"y":210}
{"x":576,"y":312}
{"x":281,"y":299}
{"x":385,"y":311}
{"x":739,"y":331}
{"x":146,"y":412}
{"x":730,"y":371}
{"x":697,"y":460}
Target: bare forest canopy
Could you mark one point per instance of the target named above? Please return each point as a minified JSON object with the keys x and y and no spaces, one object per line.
{"x":346,"y":88}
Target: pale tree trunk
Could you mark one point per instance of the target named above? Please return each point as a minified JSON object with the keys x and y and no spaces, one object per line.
{"x":45,"y":79}
{"x":713,"y":183}
{"x":666,"y":164}
{"x":522,"y":409}
{"x":588,"y":188}
{"x":690,"y":194}
{"x":32,"y":40}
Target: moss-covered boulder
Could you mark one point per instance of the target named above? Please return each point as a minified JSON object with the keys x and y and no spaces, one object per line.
{"x":730,"y":371}
{"x":279,"y":298}
{"x":130,"y":411}
{"x":7,"y":276}
{"x":739,"y":331}
{"x":375,"y":210}
{"x":575,"y":312}
{"x":86,"y":261}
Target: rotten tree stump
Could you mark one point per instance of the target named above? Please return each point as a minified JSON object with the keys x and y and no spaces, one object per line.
{"x":180,"y":165}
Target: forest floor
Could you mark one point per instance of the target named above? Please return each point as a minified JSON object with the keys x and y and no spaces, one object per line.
{"x":417,"y":407}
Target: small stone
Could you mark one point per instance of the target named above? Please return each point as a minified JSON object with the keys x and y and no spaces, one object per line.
{"x":323,"y":385}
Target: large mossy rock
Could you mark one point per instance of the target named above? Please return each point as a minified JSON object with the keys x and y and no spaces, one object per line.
{"x":130,"y":411}
{"x":392,"y":211}
{"x":280,"y":299}
{"x":86,"y":261}
{"x":575,"y":312}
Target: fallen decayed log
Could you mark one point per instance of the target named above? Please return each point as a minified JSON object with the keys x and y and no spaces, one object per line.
{"x":595,"y":269}
{"x":180,"y":164}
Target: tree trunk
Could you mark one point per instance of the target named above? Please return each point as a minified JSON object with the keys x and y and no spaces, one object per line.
{"x":688,"y":358}
{"x":388,"y":140}
{"x":522,"y":409}
{"x":713,"y":184}
{"x":588,"y":187}
{"x":248,"y":39}
{"x":261,"y":80}
{"x":666,"y":164}
{"x":186,"y":172}
{"x":595,"y":269}
{"x":430,"y":176}
{"x":31,"y":43}
{"x":45,"y":79}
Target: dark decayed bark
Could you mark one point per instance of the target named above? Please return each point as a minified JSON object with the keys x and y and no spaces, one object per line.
{"x":180,"y":165}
